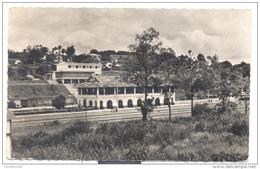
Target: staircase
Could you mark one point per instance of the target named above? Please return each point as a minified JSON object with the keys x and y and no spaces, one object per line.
{"x":72,"y":89}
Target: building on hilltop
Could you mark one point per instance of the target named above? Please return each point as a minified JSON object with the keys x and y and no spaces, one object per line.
{"x":109,"y":92}
{"x":75,"y":73}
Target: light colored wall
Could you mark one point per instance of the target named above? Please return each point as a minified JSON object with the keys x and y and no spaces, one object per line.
{"x":64,"y":67}
{"x":115,"y":98}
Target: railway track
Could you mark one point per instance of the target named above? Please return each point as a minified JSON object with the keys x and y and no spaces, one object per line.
{"x":161,"y":112}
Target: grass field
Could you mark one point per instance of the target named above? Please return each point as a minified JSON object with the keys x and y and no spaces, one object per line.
{"x":208,"y":136}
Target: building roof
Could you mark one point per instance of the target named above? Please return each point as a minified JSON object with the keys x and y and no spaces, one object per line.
{"x":75,"y":63}
{"x":34,"y":89}
{"x":104,"y":81}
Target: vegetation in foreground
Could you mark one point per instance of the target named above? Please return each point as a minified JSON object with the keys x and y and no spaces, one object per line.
{"x":207,"y":136}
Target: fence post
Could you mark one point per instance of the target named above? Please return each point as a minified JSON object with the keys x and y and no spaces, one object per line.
{"x":8,"y":135}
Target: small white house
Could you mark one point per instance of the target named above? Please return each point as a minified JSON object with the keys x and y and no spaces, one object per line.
{"x":17,"y":62}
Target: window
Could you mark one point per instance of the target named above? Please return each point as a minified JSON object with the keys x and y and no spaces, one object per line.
{"x":67,"y":81}
{"x":130,"y":103}
{"x":120,"y":104}
{"x":139,"y":103}
{"x":109,"y":104}
{"x":84,"y":67}
{"x":82,"y":80}
{"x":121,"y":90}
{"x":77,"y":66}
{"x":84,"y":91}
{"x":75,"y":81}
{"x":101,"y":91}
{"x":90,"y":91}
{"x":139,"y":90}
{"x":96,"y":67}
{"x":149,"y":90}
{"x":90,"y":67}
{"x":69,"y":66}
{"x":157,"y":90}
{"x":129,"y":90}
{"x":101,"y":105}
{"x":109,"y":90}
{"x":90,"y":103}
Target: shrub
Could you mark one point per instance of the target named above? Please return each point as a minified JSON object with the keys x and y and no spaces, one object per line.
{"x":227,"y":107}
{"x":55,"y":123}
{"x":40,"y":134}
{"x":200,"y":126}
{"x":59,"y":102}
{"x":200,"y":109}
{"x":222,"y":156}
{"x":186,"y":156}
{"x":240,"y":128}
{"x":138,"y":152}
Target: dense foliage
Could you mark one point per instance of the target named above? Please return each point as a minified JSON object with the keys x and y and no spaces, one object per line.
{"x":207,"y":136}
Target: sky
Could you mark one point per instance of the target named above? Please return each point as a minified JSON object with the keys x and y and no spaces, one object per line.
{"x":222,"y":32}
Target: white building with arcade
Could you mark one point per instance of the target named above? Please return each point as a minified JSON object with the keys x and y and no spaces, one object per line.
{"x":109,"y":92}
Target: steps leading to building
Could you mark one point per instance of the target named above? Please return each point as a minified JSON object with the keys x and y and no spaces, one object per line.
{"x":72,"y":89}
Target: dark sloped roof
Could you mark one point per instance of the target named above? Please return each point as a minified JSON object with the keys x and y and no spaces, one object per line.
{"x":104,"y":81}
{"x":37,"y":90}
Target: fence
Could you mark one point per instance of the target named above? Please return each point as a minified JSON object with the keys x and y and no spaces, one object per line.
{"x":161,"y":112}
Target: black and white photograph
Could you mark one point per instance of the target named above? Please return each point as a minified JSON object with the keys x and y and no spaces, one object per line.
{"x":113,"y":83}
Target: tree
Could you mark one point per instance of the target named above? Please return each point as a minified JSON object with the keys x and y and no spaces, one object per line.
{"x":59,"y":102}
{"x":141,"y":66}
{"x":83,"y":58}
{"x":94,"y":51}
{"x":70,"y":52}
{"x":168,"y":67}
{"x":43,"y":69}
{"x":33,"y":55}
{"x":197,"y":77}
{"x":229,"y":80}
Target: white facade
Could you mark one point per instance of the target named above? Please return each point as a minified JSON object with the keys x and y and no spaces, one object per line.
{"x":75,"y":73}
{"x":117,"y":99}
{"x":94,"y":68}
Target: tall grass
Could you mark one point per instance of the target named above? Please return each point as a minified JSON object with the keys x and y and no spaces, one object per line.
{"x":208,"y":136}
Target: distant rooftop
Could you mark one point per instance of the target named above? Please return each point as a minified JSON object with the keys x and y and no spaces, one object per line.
{"x":104,"y":81}
{"x":35,"y":89}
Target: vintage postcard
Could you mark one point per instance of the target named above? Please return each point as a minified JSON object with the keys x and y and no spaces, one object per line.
{"x":132,"y":83}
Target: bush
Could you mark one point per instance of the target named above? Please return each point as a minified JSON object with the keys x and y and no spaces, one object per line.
{"x":227,"y":107}
{"x":138,"y":152}
{"x":59,"y":102}
{"x":200,"y":127}
{"x":40,"y":134}
{"x":210,"y":137}
{"x":240,"y":128}
{"x":228,"y":157}
{"x":55,"y":123}
{"x":200,"y":109}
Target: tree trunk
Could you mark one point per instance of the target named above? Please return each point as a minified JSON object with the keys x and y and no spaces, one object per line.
{"x":245,"y":106}
{"x":144,"y":109}
{"x":191,"y":105}
{"x":170,"y":111}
